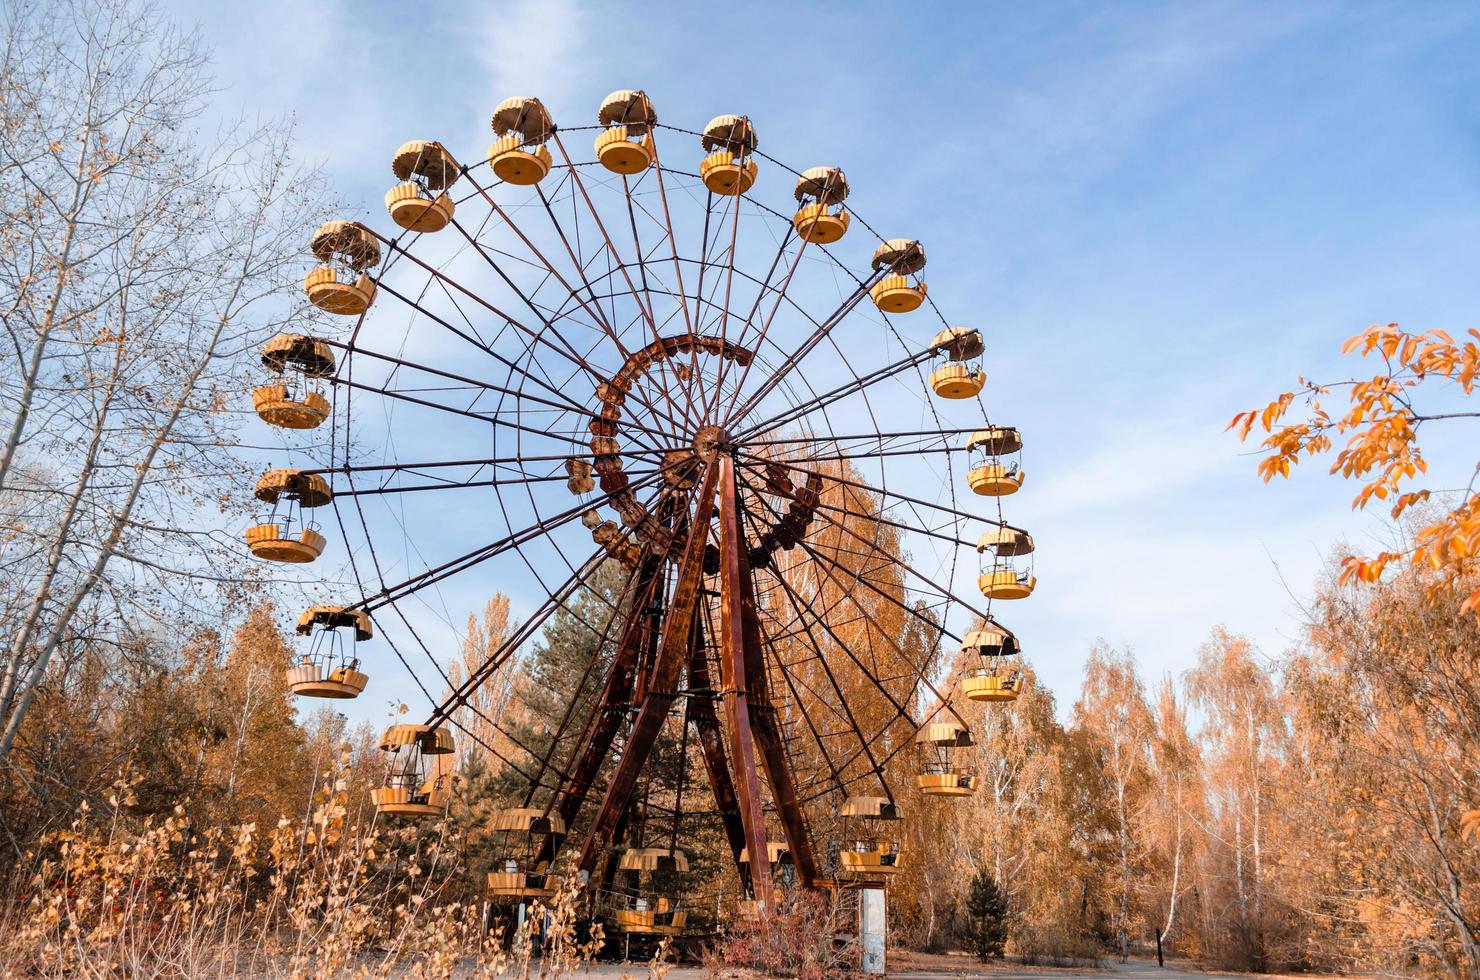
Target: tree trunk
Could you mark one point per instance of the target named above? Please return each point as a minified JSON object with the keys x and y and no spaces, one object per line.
{"x":1166,"y":929}
{"x":14,"y":695}
{"x":120,"y":522}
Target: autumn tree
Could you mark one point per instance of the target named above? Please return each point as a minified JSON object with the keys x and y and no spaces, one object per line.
{"x":486,"y":714}
{"x":244,"y":757}
{"x":202,"y":721}
{"x":1026,"y":821}
{"x":1115,"y":721}
{"x":1175,"y":808}
{"x":1384,"y":705}
{"x":141,"y":261}
{"x":1016,"y":754}
{"x":1243,"y":735}
{"x":1382,"y":422}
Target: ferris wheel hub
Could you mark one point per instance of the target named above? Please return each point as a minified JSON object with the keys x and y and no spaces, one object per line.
{"x":709,"y":438}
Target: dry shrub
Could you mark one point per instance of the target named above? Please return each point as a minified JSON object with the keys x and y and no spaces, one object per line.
{"x":797,"y":937}
{"x":107,"y":898}
{"x":1056,"y":945}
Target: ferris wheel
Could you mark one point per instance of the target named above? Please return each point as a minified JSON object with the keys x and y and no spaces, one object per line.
{"x":601,"y":347}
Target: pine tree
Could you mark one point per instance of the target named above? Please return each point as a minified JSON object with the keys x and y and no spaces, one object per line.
{"x":567,"y":662}
{"x":987,"y":907}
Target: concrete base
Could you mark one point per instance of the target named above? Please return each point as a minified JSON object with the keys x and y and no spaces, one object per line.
{"x":872,"y":929}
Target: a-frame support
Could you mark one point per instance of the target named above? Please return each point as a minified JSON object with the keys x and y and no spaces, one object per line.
{"x":612,"y":702}
{"x":734,"y":683}
{"x":755,"y":684}
{"x":716,"y":760}
{"x":748,"y":717}
{"x":662,"y":689}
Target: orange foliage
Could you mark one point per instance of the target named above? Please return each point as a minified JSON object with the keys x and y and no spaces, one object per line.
{"x":1382,"y":451}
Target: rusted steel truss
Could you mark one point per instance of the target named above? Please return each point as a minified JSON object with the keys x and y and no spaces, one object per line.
{"x":698,"y":507}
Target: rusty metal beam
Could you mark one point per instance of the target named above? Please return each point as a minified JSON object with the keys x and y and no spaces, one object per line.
{"x":611,"y":706}
{"x":735,"y":679}
{"x":712,"y":746}
{"x":767,"y":732}
{"x":666,"y":671}
{"x":764,"y":725}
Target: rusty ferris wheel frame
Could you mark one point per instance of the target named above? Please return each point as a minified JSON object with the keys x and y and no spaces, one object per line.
{"x":700,"y":414}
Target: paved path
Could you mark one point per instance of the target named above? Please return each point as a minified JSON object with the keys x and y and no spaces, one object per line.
{"x":1134,"y":970}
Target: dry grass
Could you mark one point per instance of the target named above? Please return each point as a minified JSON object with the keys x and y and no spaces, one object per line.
{"x":109,"y":898}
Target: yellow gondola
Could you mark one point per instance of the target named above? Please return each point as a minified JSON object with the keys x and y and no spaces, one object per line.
{"x":729,"y":168}
{"x":866,"y":852}
{"x":901,"y":290}
{"x":521,"y":864}
{"x":340,"y":284}
{"x":625,"y":146}
{"x":519,"y":155}
{"x":940,"y":775}
{"x":414,"y":787}
{"x":961,"y":376}
{"x":420,"y":202}
{"x":653,"y":908}
{"x":999,"y":679}
{"x":1008,"y":577}
{"x":293,"y":400}
{"x":273,"y":536}
{"x":330,"y":669}
{"x":821,"y":218}
{"x":996,"y":469}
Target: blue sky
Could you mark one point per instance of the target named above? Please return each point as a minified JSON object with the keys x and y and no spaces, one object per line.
{"x":1157,"y":214}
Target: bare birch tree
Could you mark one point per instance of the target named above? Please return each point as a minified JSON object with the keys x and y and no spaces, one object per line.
{"x":141,"y":262}
{"x":1112,"y":713}
{"x":1242,"y":725}
{"x":1177,"y":801}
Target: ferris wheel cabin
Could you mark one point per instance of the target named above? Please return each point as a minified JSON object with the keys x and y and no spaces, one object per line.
{"x":293,"y":399}
{"x":940,"y":773}
{"x":962,"y":375}
{"x":729,"y":169}
{"x":330,"y":668}
{"x":625,"y":146}
{"x":414,"y":785}
{"x":821,"y":218}
{"x":521,"y":870}
{"x":1010,"y":575}
{"x":523,"y":127}
{"x":340,"y":284}
{"x":901,"y":290}
{"x":996,"y":469}
{"x":420,"y":202}
{"x":999,"y":678}
{"x":284,"y":535}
